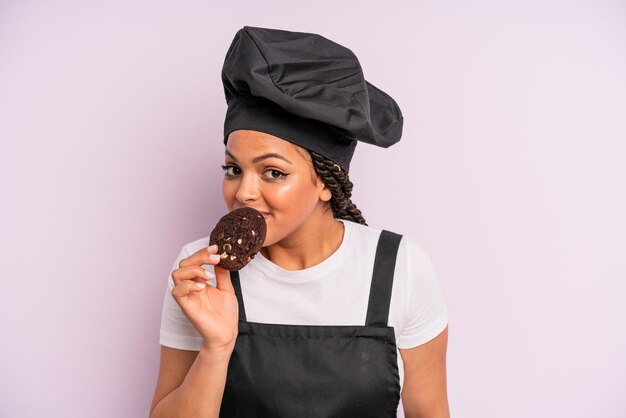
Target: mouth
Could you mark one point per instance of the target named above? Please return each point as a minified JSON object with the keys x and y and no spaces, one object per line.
{"x":265,"y":213}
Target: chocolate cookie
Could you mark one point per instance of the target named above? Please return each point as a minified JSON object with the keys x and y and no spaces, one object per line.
{"x":239,"y":235}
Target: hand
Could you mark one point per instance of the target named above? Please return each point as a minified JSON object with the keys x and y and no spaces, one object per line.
{"x":213,"y":311}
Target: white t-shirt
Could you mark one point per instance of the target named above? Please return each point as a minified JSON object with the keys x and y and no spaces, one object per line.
{"x":333,"y":292}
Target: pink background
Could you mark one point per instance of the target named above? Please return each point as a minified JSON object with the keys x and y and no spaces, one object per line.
{"x":510,"y":175}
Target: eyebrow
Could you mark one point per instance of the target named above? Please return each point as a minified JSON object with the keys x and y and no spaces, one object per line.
{"x":262,"y":157}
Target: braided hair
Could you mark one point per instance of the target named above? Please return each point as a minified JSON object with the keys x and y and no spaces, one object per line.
{"x":340,"y":186}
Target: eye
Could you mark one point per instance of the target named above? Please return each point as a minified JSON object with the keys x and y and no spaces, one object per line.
{"x":274,"y":174}
{"x":231,"y":170}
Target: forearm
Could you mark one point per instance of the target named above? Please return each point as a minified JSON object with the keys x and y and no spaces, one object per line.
{"x":441,"y":411}
{"x":200,"y":393}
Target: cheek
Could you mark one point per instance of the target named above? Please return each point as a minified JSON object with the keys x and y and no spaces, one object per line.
{"x":293,"y":197}
{"x":229,"y":192}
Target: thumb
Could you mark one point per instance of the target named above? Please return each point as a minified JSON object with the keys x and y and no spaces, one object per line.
{"x":222,"y":280}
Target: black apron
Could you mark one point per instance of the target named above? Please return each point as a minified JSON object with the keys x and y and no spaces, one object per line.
{"x":302,"y":371}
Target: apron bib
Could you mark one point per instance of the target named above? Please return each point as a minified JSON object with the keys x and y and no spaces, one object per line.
{"x":309,"y":371}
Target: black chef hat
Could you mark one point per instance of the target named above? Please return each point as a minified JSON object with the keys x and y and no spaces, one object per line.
{"x":305,"y":89}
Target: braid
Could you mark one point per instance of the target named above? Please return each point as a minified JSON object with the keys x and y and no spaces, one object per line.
{"x":340,"y":186}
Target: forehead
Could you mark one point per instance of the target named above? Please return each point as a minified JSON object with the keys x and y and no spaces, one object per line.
{"x":248,"y":143}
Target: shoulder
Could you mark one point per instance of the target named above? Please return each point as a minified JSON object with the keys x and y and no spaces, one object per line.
{"x":408,"y":251}
{"x":188,"y":249}
{"x":359,"y":232}
{"x":412,"y":252}
{"x":196,"y":245}
{"x":413,"y":263}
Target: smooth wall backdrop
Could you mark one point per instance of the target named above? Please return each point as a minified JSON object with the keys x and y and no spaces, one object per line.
{"x":510,"y":175}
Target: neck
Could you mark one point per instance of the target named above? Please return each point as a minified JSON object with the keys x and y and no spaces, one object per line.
{"x":309,"y":245}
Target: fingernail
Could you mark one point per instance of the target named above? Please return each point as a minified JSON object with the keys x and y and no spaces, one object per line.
{"x":212,"y":247}
{"x":215,"y":257}
{"x":201,"y":285}
{"x":209,"y":274}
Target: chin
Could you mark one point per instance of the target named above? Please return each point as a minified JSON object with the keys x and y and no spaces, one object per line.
{"x":272,"y":238}
{"x":269,"y":241}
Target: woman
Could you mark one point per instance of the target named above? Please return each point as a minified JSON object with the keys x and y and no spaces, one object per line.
{"x":312,"y":326}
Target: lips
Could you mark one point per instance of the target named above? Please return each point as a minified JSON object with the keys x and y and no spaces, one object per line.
{"x":265,"y":213}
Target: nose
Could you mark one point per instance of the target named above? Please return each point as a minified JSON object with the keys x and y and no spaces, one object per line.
{"x":248,"y":190}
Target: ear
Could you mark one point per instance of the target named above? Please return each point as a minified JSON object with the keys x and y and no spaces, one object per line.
{"x":325,"y":193}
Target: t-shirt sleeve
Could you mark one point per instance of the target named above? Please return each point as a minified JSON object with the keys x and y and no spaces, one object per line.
{"x":176,"y":329}
{"x":425,"y":314}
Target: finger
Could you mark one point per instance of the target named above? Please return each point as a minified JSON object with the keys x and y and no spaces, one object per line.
{"x":188,"y":287}
{"x":223,"y":281}
{"x":205,"y":255}
{"x":191,"y":273}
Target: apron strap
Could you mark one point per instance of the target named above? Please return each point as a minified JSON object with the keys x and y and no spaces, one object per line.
{"x":382,"y":279}
{"x":234,"y":278}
